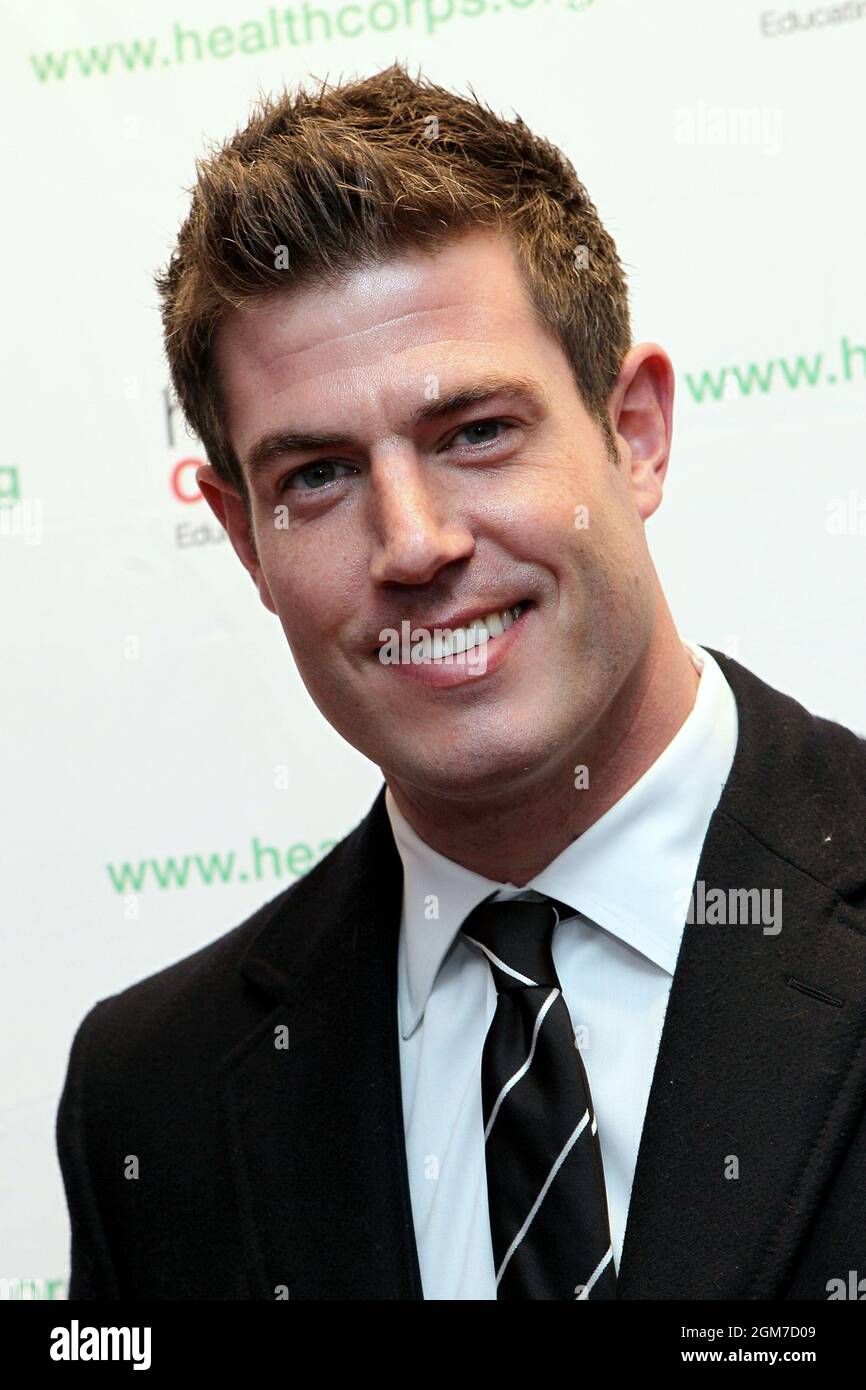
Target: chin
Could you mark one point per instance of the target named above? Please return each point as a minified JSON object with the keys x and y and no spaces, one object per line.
{"x":465,"y":773}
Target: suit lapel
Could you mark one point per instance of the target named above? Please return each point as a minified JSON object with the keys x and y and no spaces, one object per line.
{"x":754,"y":1075}
{"x":316,"y":1130}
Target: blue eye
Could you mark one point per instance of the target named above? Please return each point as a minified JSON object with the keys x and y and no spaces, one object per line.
{"x":318,"y":473}
{"x":480,"y":425}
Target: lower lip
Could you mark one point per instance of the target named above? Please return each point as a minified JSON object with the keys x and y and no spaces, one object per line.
{"x":458,"y":671}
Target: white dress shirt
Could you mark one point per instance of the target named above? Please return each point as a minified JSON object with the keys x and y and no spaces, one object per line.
{"x":629,"y":878}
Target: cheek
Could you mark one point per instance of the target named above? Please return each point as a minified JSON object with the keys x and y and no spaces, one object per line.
{"x":556,"y":506}
{"x":597,"y":553}
{"x":314,"y":588}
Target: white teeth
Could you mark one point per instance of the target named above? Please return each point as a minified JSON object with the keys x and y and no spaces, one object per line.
{"x":465,"y":639}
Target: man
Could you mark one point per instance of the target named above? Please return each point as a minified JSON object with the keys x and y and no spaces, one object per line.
{"x":577,"y":1011}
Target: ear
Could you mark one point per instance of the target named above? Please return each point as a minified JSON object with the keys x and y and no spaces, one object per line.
{"x":641,"y":412}
{"x":228,"y":507}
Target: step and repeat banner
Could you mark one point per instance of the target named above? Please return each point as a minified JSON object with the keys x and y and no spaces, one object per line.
{"x":164,"y":770}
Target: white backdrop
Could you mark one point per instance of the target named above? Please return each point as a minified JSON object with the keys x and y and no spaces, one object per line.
{"x":151,"y":709}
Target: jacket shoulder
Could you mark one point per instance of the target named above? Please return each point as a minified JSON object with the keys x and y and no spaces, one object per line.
{"x":798,"y":782}
{"x":202,"y":999}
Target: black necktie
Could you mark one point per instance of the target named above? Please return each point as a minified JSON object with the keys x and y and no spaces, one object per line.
{"x":545,"y":1179}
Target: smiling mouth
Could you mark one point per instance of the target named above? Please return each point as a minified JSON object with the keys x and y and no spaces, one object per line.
{"x":453,"y":641}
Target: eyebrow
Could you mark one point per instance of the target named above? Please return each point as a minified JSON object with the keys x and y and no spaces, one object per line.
{"x":277,"y":443}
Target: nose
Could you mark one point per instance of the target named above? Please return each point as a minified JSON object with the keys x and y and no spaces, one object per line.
{"x":414,"y":522}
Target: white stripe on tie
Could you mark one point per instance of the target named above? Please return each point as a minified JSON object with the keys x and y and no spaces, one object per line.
{"x":542,"y":1194}
{"x":599,"y":1269}
{"x":515,"y":974}
{"x":521,"y":1071}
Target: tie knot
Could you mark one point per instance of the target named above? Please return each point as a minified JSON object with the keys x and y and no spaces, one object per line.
{"x":516,"y":935}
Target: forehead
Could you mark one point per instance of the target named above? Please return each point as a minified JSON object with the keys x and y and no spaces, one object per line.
{"x":466,"y":302}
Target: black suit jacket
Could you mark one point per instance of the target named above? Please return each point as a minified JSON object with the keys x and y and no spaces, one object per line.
{"x":265,"y":1170}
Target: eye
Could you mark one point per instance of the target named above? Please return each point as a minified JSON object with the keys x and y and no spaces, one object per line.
{"x":472,"y":430}
{"x":315,"y":475}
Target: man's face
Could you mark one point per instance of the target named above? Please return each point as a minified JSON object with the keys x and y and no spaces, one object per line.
{"x":438,"y":518}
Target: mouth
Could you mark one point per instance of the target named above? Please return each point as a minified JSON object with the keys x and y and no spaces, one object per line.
{"x":447,"y":637}
{"x":469,"y":654}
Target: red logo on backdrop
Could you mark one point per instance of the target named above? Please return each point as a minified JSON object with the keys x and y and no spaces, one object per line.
{"x":183,"y":483}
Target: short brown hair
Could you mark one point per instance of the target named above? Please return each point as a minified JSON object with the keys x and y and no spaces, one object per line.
{"x":355,"y":174}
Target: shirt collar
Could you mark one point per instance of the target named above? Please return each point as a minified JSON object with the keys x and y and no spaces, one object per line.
{"x":631,"y":873}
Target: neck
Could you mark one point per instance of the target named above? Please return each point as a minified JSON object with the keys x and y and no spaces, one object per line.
{"x":511,"y":838}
